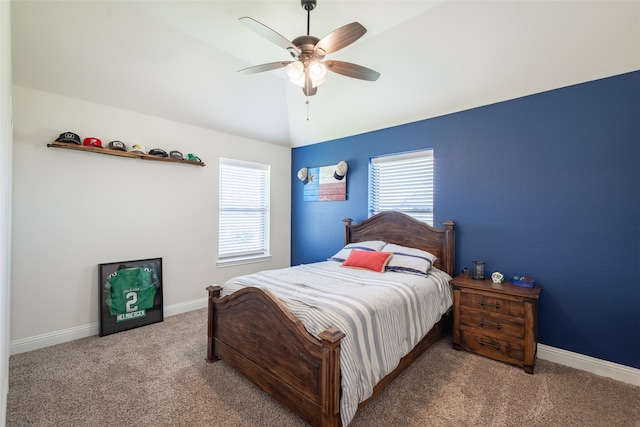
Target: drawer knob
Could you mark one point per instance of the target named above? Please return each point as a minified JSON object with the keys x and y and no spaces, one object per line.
{"x":493,"y":325}
{"x":490,"y":344}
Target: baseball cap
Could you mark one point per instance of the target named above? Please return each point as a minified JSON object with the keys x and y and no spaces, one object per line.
{"x":193,"y":158}
{"x":69,"y":137}
{"x":138,"y":148}
{"x":174,"y":154}
{"x":158,"y":152}
{"x":94,"y":142}
{"x":117,"y":145}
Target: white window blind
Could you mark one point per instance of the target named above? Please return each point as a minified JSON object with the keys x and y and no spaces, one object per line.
{"x":402,"y":182}
{"x":244,"y":210}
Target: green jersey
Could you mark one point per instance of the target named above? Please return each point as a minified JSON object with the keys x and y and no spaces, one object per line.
{"x":131,"y":292}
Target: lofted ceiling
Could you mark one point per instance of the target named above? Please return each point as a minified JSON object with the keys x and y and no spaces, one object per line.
{"x":179,"y":59}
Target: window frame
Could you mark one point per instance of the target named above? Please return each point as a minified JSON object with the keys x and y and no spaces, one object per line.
{"x":424,"y":213}
{"x":245,"y":175}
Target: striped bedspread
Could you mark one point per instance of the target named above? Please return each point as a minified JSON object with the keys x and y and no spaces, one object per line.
{"x":384,"y":315}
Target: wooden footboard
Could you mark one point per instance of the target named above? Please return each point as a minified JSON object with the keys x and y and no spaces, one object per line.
{"x":253,"y":332}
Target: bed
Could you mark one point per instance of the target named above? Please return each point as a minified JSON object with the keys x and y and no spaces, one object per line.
{"x":257,"y":334}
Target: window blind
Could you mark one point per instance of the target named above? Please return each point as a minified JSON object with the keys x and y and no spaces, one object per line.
{"x":402,"y":182}
{"x":244,"y":209}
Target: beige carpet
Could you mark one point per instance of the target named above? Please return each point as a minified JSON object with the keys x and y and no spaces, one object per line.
{"x":157,"y":376}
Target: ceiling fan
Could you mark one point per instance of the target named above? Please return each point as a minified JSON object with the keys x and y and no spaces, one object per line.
{"x":309,"y":67}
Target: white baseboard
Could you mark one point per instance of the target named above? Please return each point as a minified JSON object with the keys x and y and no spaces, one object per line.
{"x":590,"y":364}
{"x":58,"y":337}
{"x":575,"y":360}
{"x":185,"y":307}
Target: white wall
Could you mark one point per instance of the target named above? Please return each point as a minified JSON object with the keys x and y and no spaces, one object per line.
{"x":5,"y":202}
{"x":74,"y":210}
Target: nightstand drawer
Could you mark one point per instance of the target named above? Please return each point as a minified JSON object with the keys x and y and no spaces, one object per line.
{"x":497,"y":326}
{"x":492,"y":304}
{"x":499,"y":349}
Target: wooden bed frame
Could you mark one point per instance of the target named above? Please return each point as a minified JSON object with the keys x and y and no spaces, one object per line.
{"x":253,"y":332}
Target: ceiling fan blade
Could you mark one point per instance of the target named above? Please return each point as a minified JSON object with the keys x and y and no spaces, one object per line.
{"x":264,"y":67}
{"x":352,"y":70}
{"x":340,"y":38}
{"x":270,"y":35}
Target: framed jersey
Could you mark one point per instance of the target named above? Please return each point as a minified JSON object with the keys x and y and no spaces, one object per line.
{"x":130,"y":294}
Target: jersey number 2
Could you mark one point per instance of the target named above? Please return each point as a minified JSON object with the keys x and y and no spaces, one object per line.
{"x":132,"y":299}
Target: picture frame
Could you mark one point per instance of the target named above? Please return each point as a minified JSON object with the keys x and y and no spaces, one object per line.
{"x":130,"y":294}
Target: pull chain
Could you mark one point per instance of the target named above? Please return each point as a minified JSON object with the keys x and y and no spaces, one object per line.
{"x":307,"y":102}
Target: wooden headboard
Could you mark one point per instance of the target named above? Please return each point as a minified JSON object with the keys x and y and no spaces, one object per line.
{"x":401,"y":229}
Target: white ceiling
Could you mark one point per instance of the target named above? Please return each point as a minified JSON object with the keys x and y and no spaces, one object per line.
{"x":179,"y":59}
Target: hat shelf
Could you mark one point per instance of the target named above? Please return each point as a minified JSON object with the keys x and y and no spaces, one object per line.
{"x":101,"y":150}
{"x":70,"y":146}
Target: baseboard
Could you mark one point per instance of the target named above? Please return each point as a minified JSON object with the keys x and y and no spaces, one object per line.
{"x":590,"y":364}
{"x":65,"y":335}
{"x":185,"y":307}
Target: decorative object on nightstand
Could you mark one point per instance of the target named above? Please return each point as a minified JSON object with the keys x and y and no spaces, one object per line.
{"x":496,"y":320}
{"x":478,"y":270}
{"x":497,"y":277}
{"x":524,"y":281}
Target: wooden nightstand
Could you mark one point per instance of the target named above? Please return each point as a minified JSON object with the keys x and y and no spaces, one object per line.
{"x":499,"y":321}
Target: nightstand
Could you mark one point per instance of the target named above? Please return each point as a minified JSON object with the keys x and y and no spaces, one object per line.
{"x":496,"y":320}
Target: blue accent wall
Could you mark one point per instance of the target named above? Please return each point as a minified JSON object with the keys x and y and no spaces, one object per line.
{"x":546,"y":185}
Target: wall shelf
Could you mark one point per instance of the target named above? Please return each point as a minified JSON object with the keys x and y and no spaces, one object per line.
{"x":119,"y":153}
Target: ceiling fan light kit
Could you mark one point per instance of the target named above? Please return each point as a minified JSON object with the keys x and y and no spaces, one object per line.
{"x":297,"y":71}
{"x":309,"y":67}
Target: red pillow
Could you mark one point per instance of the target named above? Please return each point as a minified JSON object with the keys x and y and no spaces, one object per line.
{"x":370,"y":260}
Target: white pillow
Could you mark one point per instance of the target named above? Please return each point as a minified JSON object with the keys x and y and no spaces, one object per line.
{"x":409,"y":260}
{"x":370,"y":245}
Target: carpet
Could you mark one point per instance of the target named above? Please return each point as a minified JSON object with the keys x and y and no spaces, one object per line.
{"x":157,"y":375}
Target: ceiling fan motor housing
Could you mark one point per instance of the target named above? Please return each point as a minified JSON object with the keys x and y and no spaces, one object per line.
{"x":306,"y":44}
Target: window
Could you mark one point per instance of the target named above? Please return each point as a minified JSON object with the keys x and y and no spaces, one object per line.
{"x":244,"y":212}
{"x":402,"y":182}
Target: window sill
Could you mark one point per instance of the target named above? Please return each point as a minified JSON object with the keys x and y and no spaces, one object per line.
{"x":242,"y":260}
